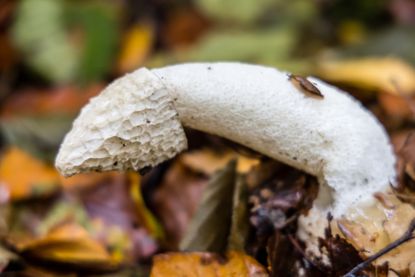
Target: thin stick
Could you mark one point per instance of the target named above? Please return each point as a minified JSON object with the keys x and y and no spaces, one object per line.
{"x":405,"y":237}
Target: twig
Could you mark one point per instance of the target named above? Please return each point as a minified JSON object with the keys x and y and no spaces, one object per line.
{"x":405,"y":237}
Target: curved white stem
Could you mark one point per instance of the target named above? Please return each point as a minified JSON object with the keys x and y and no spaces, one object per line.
{"x":333,"y":138}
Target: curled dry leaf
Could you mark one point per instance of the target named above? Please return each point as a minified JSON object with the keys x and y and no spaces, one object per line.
{"x":196,"y":264}
{"x":378,"y":74}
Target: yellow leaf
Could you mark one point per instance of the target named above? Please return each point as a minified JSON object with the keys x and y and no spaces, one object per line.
{"x":195,"y":264}
{"x":147,"y":218}
{"x":22,"y":175}
{"x":390,"y":75}
{"x":70,"y":244}
{"x":135,"y":47}
{"x":207,"y":161}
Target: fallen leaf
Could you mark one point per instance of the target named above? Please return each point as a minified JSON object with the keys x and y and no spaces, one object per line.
{"x":369,"y":236}
{"x":208,"y":161}
{"x":119,"y":220}
{"x":238,"y":234}
{"x":135,"y":47}
{"x":183,"y":28}
{"x":396,"y":106}
{"x":390,"y":75}
{"x":69,"y":244}
{"x":85,"y":180}
{"x":176,"y":199}
{"x":146,"y":217}
{"x":63,"y":100}
{"x":95,"y":32}
{"x":210,"y":226}
{"x":207,"y":265}
{"x":22,"y":176}
{"x":6,"y":257}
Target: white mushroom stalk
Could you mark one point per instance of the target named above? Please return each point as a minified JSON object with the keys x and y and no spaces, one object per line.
{"x":137,"y":122}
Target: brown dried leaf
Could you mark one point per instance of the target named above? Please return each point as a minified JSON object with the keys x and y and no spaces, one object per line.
{"x":210,"y":226}
{"x":305,"y":86}
{"x":176,"y":199}
{"x":239,"y":219}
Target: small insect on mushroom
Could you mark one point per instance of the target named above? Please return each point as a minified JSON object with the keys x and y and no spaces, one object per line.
{"x":305,"y":85}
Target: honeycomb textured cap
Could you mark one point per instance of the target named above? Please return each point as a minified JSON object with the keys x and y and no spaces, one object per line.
{"x":132,"y":124}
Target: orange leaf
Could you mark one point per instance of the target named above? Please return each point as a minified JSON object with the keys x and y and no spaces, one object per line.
{"x":206,"y":264}
{"x":135,"y":47}
{"x":71,"y":244}
{"x":207,"y":161}
{"x":22,"y":176}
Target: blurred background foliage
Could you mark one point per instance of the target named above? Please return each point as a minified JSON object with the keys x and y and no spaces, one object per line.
{"x":56,"y":54}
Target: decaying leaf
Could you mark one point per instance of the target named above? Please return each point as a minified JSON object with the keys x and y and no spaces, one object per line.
{"x":22,"y":176}
{"x":305,"y":86}
{"x":196,"y":264}
{"x":368,"y":240}
{"x":33,"y":102}
{"x":278,"y":202}
{"x":210,"y":226}
{"x":183,"y":28}
{"x":390,"y":75}
{"x":119,"y":219}
{"x":176,"y":200}
{"x":396,"y":106}
{"x":69,"y":244}
{"x":208,"y":161}
{"x":239,"y":220}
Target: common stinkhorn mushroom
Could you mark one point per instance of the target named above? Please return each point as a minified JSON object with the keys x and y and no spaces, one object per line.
{"x":137,"y":122}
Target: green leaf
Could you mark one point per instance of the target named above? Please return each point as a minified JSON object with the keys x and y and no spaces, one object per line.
{"x":241,"y":11}
{"x":99,"y":24}
{"x":39,"y":32}
{"x":210,"y":226}
{"x":258,"y":46}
